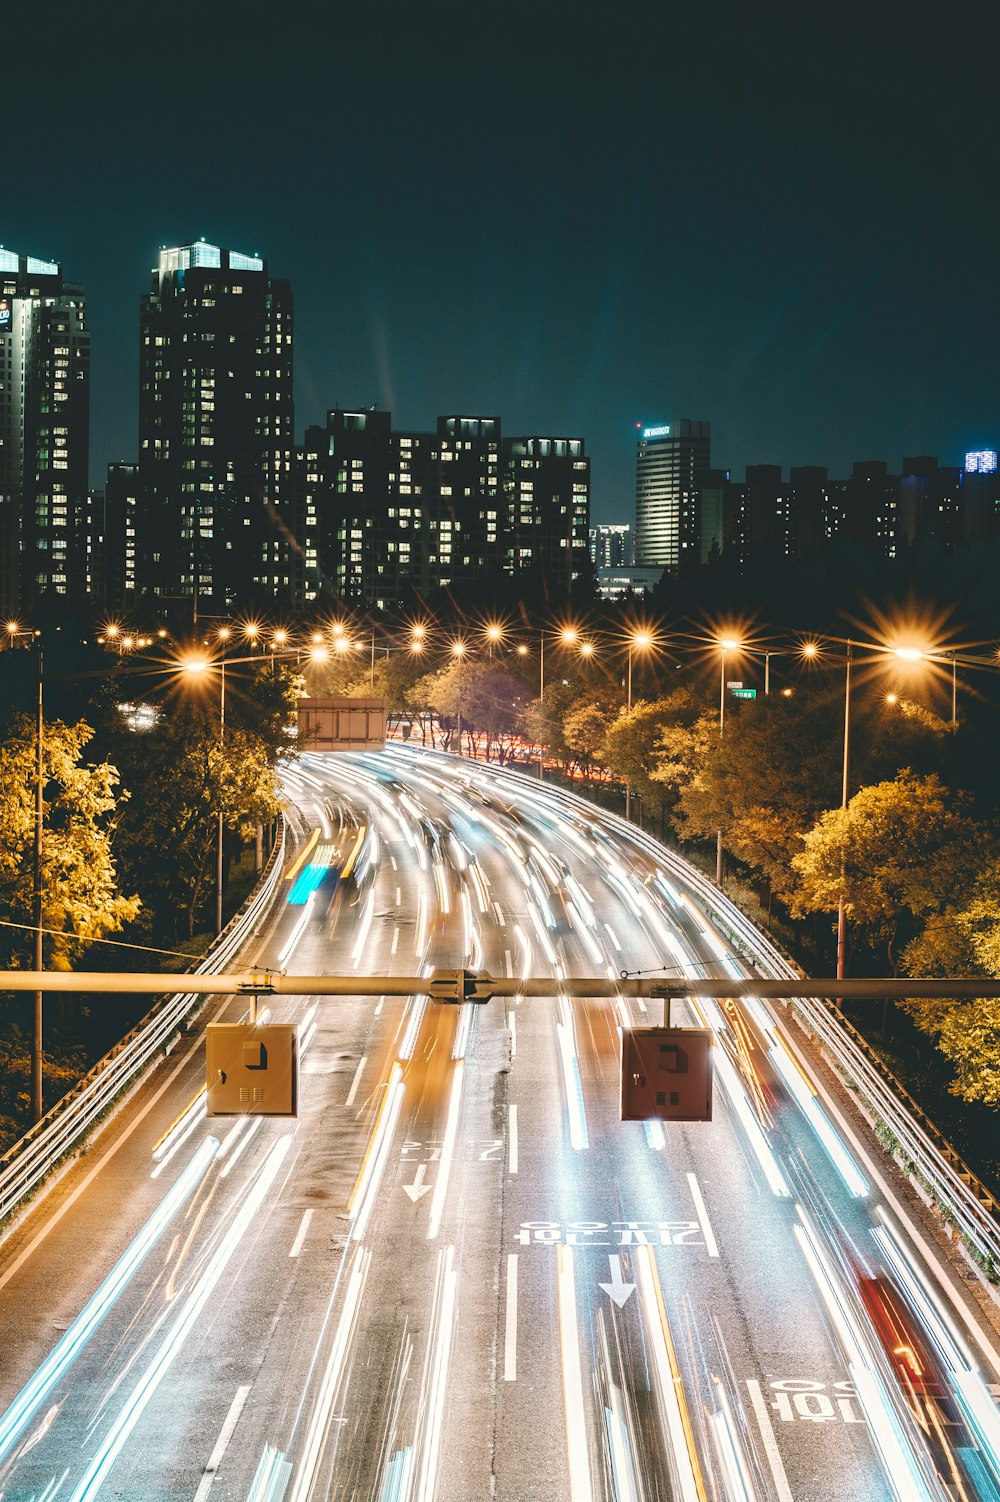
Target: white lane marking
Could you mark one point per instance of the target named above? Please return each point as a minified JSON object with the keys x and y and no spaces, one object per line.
{"x":85,"y":1183}
{"x":395,"y":941}
{"x":300,"y":1234}
{"x":225,"y":1435}
{"x":508,"y":962}
{"x":771,"y":1450}
{"x":512,"y":1021}
{"x":399,"y":897}
{"x":614,"y":937}
{"x":357,"y":1080}
{"x":378,"y":1010}
{"x":702,"y":1213}
{"x":569,"y":1346}
{"x":392,"y":862}
{"x":500,"y":917}
{"x":512,"y":1139}
{"x":510,"y":1322}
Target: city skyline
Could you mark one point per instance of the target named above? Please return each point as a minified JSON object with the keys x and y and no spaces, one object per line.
{"x":537,"y":219}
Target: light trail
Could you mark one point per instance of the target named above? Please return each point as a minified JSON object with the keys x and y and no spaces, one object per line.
{"x":373,"y":1164}
{"x":816,"y":1117}
{"x":737,"y":1096}
{"x":575,"y":1108}
{"x":297,"y":931}
{"x":102,"y":1462}
{"x":572,"y":1378}
{"x":687,"y":1471}
{"x":69,"y":1346}
{"x":319,"y":1423}
{"x":446,"y":1286}
{"x":447,"y":1151}
{"x":904,"y":1474}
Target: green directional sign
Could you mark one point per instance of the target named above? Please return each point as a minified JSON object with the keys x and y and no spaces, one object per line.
{"x":743,"y":693}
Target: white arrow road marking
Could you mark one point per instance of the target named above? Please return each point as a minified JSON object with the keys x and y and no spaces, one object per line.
{"x":418,"y":1188}
{"x":617,"y":1289}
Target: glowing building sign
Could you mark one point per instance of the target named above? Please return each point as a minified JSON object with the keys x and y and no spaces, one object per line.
{"x":981,"y":462}
{"x":663,"y":432}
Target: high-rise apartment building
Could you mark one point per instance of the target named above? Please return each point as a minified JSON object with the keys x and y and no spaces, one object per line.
{"x":547,"y":513}
{"x":671,"y":460}
{"x":216,"y":449}
{"x":44,"y":433}
{"x":611,"y":546}
{"x":390,"y":515}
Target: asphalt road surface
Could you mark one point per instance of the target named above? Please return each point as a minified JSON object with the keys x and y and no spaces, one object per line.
{"x":458,"y":1275}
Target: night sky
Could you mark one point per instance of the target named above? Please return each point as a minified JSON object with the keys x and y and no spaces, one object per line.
{"x":578,"y":218}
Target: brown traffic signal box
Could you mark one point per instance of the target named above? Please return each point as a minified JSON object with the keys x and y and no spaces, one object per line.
{"x":252,"y":1069}
{"x":666,"y":1074}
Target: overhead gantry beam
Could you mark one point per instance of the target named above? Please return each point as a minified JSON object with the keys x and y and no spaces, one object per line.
{"x":459,"y":985}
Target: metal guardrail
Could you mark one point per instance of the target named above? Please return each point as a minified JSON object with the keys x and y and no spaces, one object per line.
{"x":959,"y":1195}
{"x":24,"y":1166}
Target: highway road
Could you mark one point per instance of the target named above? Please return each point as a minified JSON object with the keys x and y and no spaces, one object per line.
{"x":457,"y":1275}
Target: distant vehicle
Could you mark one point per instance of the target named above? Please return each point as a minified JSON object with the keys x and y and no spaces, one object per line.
{"x":325,"y":867}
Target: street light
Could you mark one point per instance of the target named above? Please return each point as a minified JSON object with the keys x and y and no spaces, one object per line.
{"x":494,"y":635}
{"x":568,"y":636}
{"x":808,"y":649}
{"x":726,"y":645}
{"x":196,"y":666}
{"x":639,"y":641}
{"x":458,"y":650}
{"x":917,"y":654}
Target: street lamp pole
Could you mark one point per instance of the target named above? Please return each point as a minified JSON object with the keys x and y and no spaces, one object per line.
{"x":541,"y":705}
{"x":722,"y":726}
{"x":841,"y":911}
{"x":726,"y":645}
{"x":628,"y":710}
{"x":37,"y":1106}
{"x":218,"y":851}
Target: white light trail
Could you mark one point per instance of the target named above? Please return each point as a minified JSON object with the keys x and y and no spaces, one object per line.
{"x":101,"y":1463}
{"x":737,"y":1095}
{"x":668,"y":1378}
{"x":575,"y":1107}
{"x":254,"y":1127}
{"x":364,"y":928}
{"x":447,"y":1151}
{"x":319,"y":1423}
{"x":899,"y":1463}
{"x":445,"y":1295}
{"x":816,"y":1117}
{"x":376,"y":1153}
{"x":179,"y":1133}
{"x":572,"y":1377}
{"x":297,"y":932}
{"x":69,"y":1346}
{"x":271,"y":1478}
{"x":976,"y":1401}
{"x":739,"y":1482}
